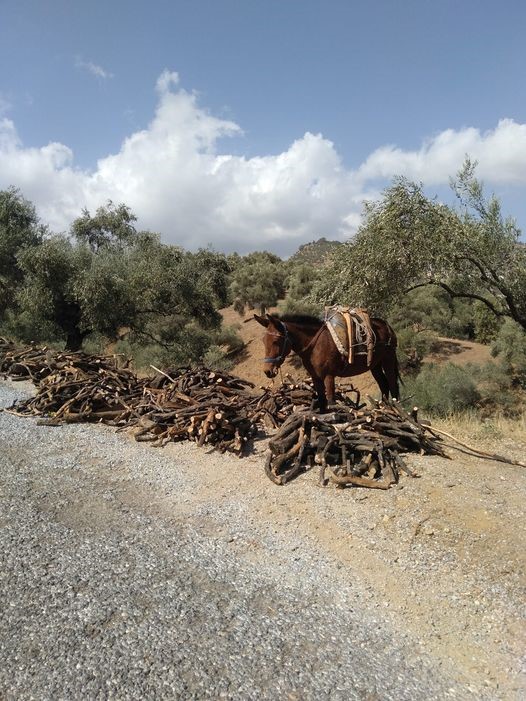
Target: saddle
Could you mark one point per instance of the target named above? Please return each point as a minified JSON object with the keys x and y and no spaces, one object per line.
{"x":351,"y":332}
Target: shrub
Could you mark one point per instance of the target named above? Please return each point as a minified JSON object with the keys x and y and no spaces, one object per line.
{"x":215,"y":358}
{"x":510,"y":349}
{"x":442,"y":390}
{"x":413,"y":345}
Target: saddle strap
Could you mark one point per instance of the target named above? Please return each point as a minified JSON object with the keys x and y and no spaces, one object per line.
{"x":363,"y":334}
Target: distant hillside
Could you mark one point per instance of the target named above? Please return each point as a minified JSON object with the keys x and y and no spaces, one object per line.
{"x":315,"y":252}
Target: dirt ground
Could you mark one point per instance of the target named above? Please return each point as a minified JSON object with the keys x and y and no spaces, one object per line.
{"x":250,"y":366}
{"x":445,"y":554}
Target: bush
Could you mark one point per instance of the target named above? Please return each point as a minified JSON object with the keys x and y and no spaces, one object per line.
{"x":510,"y":349}
{"x":443,"y":390}
{"x":215,"y":358}
{"x":228,"y":337}
{"x":497,"y":392}
{"x":412,"y":347}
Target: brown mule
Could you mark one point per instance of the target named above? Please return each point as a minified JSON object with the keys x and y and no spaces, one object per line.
{"x":310,"y":338}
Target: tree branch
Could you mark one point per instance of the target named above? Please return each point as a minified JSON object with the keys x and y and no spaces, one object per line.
{"x":464,"y":295}
{"x":146,"y":334}
{"x":503,"y":289}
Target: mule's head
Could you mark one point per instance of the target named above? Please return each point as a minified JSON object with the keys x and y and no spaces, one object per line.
{"x":276,"y":341}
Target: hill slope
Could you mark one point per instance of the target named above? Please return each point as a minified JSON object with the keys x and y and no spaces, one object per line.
{"x":250,"y":366}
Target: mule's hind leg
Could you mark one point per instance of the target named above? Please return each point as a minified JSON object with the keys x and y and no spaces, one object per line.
{"x":321,"y":400}
{"x":379,"y":375}
{"x":391,"y":372}
{"x":330,"y":389}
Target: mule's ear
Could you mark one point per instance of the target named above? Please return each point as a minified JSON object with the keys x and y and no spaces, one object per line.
{"x":261,"y":320}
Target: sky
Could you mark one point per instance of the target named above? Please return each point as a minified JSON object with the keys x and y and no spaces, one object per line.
{"x":257,"y":124}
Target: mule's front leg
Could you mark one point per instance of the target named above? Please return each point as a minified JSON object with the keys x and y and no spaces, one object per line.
{"x":330,"y":389}
{"x":320,"y":392}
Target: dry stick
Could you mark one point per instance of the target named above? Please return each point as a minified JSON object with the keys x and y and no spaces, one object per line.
{"x":163,"y":373}
{"x":476,"y":453}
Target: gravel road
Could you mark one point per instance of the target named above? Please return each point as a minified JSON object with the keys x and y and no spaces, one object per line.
{"x":133,"y":573}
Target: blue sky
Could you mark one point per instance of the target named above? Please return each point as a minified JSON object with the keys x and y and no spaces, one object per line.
{"x":249,"y":124}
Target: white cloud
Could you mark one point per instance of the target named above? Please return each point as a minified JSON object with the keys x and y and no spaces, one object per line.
{"x":179,"y":179}
{"x":501,"y":154}
{"x":165,"y":80}
{"x":93,"y":68}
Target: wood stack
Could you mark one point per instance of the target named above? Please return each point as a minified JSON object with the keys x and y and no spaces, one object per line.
{"x":35,"y":363}
{"x":276,"y":405}
{"x":73,"y":387}
{"x":352,"y":446}
{"x":211,"y":408}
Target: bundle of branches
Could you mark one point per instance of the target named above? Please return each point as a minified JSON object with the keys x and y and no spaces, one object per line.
{"x":276,"y":405}
{"x":75,"y":388}
{"x":352,"y":446}
{"x":35,"y":363}
{"x":209,"y":407}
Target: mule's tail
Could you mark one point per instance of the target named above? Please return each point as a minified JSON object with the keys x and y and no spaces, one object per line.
{"x":395,"y":366}
{"x":397,"y":370}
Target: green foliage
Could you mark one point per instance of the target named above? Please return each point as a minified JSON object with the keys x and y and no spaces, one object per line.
{"x":108,"y":276}
{"x":228,"y":337}
{"x":413,"y":345}
{"x":408,"y":240}
{"x":443,"y":390}
{"x":510,"y":349}
{"x":425,"y":309}
{"x":258,"y":280}
{"x":315,"y":253}
{"x":112,"y":226}
{"x":215,"y":358}
{"x":19,"y":229}
{"x":498,"y":394}
{"x":48,"y":294}
{"x":486,"y":325}
{"x":400,"y":234}
{"x":300,"y":281}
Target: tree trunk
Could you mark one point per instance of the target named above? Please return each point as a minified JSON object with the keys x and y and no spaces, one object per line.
{"x":74,"y":339}
{"x":68,"y":317}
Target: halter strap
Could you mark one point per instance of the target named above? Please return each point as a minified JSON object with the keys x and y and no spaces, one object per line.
{"x":286,"y":338}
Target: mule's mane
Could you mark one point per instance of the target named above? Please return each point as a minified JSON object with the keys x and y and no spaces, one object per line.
{"x":301,"y":319}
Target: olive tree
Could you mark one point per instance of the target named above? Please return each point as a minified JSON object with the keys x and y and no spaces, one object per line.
{"x":19,"y":229}
{"x":258,"y":280}
{"x":408,"y":240}
{"x":108,"y":275}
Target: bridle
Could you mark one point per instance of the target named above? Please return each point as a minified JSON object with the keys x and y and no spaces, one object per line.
{"x":283,"y":350}
{"x":286,"y":339}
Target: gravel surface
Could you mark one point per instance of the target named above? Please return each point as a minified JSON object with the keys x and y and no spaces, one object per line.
{"x":134,"y":573}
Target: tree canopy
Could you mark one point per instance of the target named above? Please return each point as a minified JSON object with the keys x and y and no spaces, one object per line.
{"x":408,"y":241}
{"x":107,"y":275}
{"x":19,"y":229}
{"x":258,"y":280}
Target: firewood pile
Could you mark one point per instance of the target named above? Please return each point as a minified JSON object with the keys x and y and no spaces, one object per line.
{"x":353,"y":446}
{"x":72,"y":387}
{"x":274,"y":406}
{"x":211,"y":408}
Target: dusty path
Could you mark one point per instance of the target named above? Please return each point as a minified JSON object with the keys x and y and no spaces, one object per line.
{"x":129,"y":572}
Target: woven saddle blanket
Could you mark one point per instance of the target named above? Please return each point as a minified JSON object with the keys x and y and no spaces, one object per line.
{"x":351,"y":331}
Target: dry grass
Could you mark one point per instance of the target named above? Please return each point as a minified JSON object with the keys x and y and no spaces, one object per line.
{"x":469,"y":426}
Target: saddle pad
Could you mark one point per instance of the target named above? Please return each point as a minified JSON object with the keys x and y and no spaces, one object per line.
{"x":351,"y":331}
